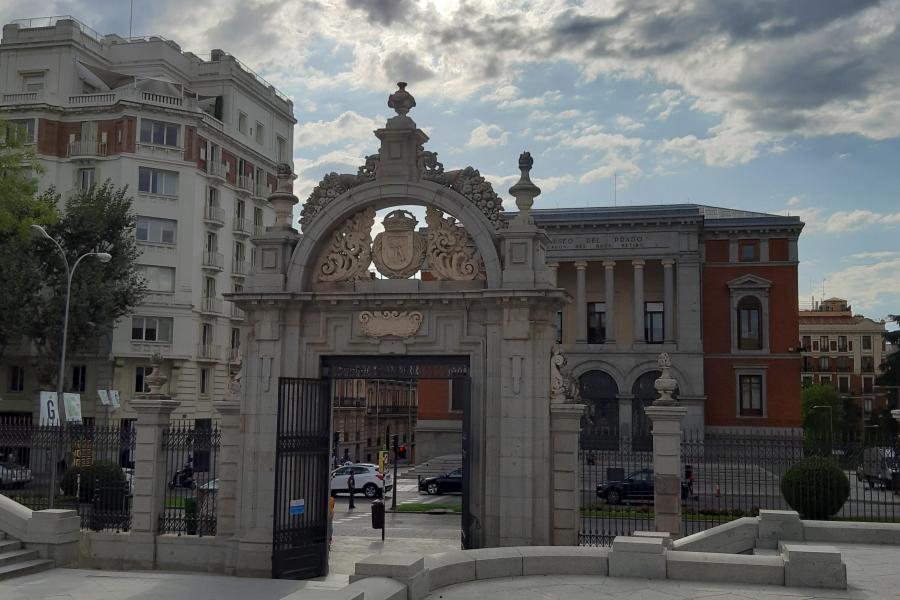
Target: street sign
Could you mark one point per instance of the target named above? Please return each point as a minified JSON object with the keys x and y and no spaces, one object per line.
{"x":297,"y":507}
{"x":49,"y":409}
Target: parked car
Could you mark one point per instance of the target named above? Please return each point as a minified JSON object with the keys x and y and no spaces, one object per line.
{"x":442,"y":484}
{"x":368,"y":480}
{"x":129,"y":480}
{"x":879,"y":467}
{"x":13,"y":475}
{"x":636,"y":487}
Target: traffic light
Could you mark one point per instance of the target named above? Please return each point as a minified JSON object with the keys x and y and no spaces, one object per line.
{"x":401,"y":451}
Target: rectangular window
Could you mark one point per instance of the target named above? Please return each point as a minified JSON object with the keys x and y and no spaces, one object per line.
{"x":24,"y":129}
{"x":16,"y":380}
{"x":844,"y":385}
{"x":456,"y":396}
{"x":806,"y":344}
{"x":258,"y":217}
{"x":596,"y":325}
{"x":868,"y":364}
{"x":235,"y":338}
{"x":282,"y":149}
{"x":867,"y":342}
{"x":834,"y":345}
{"x":751,"y":400}
{"x":806,"y":381}
{"x":240,"y":209}
{"x":559,"y":326}
{"x":260,"y":134}
{"x":33,"y":82}
{"x":749,"y":250}
{"x":157,"y":181}
{"x":140,"y":376}
{"x":868,"y":385}
{"x":206,"y":334}
{"x":156,"y":231}
{"x":79,"y":378}
{"x":842,"y":343}
{"x":239,"y":254}
{"x":159,"y":133}
{"x":204,"y":381}
{"x":242,"y":123}
{"x":823,"y":363}
{"x":867,"y":405}
{"x":151,"y":329}
{"x":653,"y":322}
{"x":159,"y":279}
{"x":815,"y":346}
{"x":825,"y":380}
{"x":212,"y":199}
{"x":823,"y":343}
{"x":85,"y":178}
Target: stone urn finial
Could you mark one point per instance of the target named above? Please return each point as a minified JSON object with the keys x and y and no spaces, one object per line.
{"x":283,"y":198}
{"x":155,"y":380}
{"x":401,"y":100}
{"x":666,"y":384}
{"x":524,"y":191}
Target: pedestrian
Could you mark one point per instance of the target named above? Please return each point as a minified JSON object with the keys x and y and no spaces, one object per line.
{"x":331,"y":518}
{"x":351,"y":484}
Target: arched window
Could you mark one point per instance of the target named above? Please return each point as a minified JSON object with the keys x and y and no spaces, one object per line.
{"x":600,"y":424}
{"x":749,"y":323}
{"x":644,"y":393}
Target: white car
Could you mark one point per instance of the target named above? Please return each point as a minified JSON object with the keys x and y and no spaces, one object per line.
{"x":13,"y":475}
{"x":367,"y":480}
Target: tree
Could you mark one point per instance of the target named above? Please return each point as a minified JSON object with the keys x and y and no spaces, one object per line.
{"x":20,"y":207}
{"x":890,"y":378}
{"x":822,"y":410}
{"x":98,"y":219}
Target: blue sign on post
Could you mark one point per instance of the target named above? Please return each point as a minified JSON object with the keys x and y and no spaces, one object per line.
{"x":297,"y":507}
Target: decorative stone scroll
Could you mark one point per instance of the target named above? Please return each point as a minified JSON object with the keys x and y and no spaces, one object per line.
{"x":348,"y":256}
{"x":467,"y":182}
{"x":563,"y":387}
{"x":396,"y":323}
{"x":398,"y":251}
{"x":451,"y":252}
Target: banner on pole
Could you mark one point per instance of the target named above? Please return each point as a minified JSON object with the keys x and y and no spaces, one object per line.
{"x":73,"y":407}
{"x":49,"y":409}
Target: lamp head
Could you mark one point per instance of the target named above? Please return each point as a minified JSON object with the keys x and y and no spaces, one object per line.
{"x":40,"y":231}
{"x":103,"y":257}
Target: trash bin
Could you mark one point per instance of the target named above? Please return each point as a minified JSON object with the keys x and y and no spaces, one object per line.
{"x":377,"y":514}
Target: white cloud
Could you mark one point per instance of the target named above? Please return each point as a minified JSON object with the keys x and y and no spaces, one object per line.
{"x":665,"y":102}
{"x":627,"y":123}
{"x":549,"y":184}
{"x":868,"y":285}
{"x":820,"y":220}
{"x":348,"y":126}
{"x":487,"y":135}
{"x":878,"y":255}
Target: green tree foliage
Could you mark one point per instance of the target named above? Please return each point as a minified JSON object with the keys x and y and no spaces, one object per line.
{"x":890,"y":378}
{"x":818,"y":422}
{"x":815,"y":487}
{"x":99,"y":219}
{"x":20,"y":207}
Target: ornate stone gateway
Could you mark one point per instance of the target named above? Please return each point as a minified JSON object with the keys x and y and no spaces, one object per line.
{"x":469,"y":285}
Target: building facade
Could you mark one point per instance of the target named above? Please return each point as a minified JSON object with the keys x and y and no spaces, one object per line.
{"x":843,"y":350}
{"x":715,"y":288}
{"x":197,"y":142}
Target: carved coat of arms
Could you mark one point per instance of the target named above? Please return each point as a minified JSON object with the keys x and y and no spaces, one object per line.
{"x":398,"y":251}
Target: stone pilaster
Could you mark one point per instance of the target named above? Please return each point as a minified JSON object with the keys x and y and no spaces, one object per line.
{"x":638,"y":300}
{"x":667,"y":466}
{"x":153,"y":415}
{"x":609,"y":296}
{"x":669,"y":299}
{"x":581,"y":302}
{"x":229,"y":465}
{"x":565,"y":426}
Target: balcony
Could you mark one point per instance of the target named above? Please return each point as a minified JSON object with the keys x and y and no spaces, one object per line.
{"x":234,"y":355}
{"x":245,"y":183}
{"x":208,"y":352}
{"x":261,"y":190}
{"x":214,"y":215}
{"x":22,"y":98}
{"x":213,"y":261}
{"x":215,"y":169}
{"x":209,"y":305}
{"x":240,"y":268}
{"x":87,"y":149}
{"x":237,"y":313}
{"x":258,"y":229}
{"x":160,"y":298}
{"x":241,"y":227}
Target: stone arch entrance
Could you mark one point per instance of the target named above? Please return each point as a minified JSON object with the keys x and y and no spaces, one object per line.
{"x":483,"y":293}
{"x":600,"y":423}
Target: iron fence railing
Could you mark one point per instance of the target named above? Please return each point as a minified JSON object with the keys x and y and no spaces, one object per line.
{"x":94,"y":469}
{"x":189,"y":504}
{"x":730,"y":476}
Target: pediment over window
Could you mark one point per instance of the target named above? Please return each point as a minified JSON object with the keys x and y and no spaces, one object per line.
{"x":749,"y":282}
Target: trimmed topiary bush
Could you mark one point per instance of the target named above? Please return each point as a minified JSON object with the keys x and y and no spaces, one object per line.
{"x":815,"y":487}
{"x":107,"y":475}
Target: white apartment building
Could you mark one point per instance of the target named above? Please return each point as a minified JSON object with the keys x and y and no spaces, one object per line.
{"x":197,"y":142}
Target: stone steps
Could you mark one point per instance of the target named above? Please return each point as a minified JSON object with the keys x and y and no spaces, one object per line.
{"x":25,"y":568}
{"x":15,"y":560}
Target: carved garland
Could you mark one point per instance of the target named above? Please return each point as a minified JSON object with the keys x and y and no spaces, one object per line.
{"x":349,"y":255}
{"x":451,"y":254}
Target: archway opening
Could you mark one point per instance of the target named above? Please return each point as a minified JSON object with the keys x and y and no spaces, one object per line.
{"x":600,"y":422}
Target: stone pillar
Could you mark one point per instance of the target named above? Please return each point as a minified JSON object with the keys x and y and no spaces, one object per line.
{"x":581,"y":302}
{"x":553,"y":267}
{"x":666,"y":416}
{"x":150,"y":478}
{"x":229,"y":464}
{"x":625,"y":401}
{"x":669,"y":299}
{"x":609,"y":295}
{"x":638,"y":300}
{"x":565,"y":427}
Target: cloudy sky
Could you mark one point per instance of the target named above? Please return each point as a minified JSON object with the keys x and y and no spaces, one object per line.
{"x":771,"y":105}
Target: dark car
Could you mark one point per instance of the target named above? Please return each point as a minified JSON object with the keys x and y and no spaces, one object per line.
{"x":636,"y":487}
{"x":442,"y":484}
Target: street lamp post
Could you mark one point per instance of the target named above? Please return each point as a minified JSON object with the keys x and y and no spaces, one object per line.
{"x":103,"y":257}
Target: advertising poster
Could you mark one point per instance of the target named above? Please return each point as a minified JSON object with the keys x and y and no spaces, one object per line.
{"x":49,"y":409}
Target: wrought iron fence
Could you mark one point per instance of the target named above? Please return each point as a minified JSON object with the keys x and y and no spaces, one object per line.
{"x":189,"y":503}
{"x":727,"y":477}
{"x":94,"y":469}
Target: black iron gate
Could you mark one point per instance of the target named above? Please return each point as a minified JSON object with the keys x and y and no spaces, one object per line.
{"x":300,"y":535}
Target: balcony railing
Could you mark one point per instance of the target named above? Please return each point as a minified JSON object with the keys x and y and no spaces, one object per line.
{"x":87,"y":148}
{"x":211,"y":305}
{"x":208,"y":352}
{"x":241,"y":226}
{"x":22,"y":98}
{"x":261,"y":190}
{"x":215,"y":169}
{"x":234,"y":355}
{"x":240,"y":267}
{"x":214,"y":214}
{"x":213,"y":260}
{"x":92,"y":99}
{"x":159,"y":298}
{"x":258,"y":229}
{"x":237,"y":313}
{"x":245,"y":183}
{"x":101,"y":99}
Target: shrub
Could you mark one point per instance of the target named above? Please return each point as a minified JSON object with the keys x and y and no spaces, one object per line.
{"x":190,"y":516}
{"x":102,"y":478}
{"x":815,"y":487}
